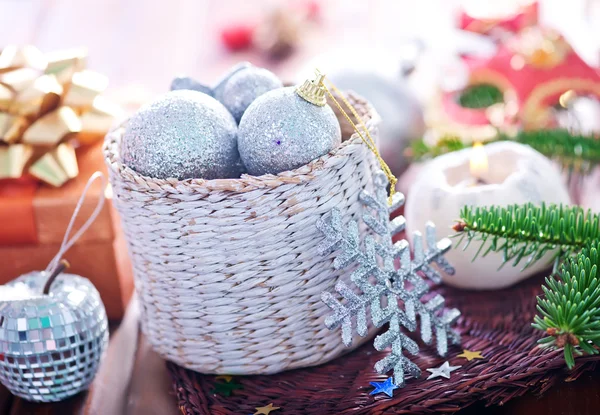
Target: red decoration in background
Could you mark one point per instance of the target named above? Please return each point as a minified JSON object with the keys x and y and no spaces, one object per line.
{"x":277,"y":32}
{"x":313,"y":10}
{"x":525,"y":16}
{"x":533,"y":66}
{"x":237,"y":37}
{"x":537,"y":74}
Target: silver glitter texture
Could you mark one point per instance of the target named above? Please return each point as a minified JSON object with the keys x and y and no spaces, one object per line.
{"x":220,"y":85}
{"x":382,"y":286}
{"x":51,"y":345}
{"x":244,"y":86}
{"x":183,"y":134}
{"x":281,"y":131}
{"x":185,"y":82}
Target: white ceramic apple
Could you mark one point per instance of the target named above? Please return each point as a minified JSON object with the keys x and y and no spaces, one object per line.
{"x":52,"y":336}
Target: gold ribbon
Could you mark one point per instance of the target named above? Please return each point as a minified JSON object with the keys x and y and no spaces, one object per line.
{"x":365,"y":135}
{"x":49,"y":105}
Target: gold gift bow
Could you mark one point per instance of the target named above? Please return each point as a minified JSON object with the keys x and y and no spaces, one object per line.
{"x":49,"y":103}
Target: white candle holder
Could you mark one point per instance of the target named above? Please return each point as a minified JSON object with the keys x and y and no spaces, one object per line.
{"x":517,"y":174}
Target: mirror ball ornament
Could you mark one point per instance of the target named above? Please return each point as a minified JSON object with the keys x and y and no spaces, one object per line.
{"x":244,"y":86}
{"x":183,"y":134}
{"x":287,"y":128}
{"x":51,"y":344}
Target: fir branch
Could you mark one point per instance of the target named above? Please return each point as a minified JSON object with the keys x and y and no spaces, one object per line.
{"x":419,"y":150}
{"x":480,"y":96}
{"x":575,"y":152}
{"x":527,"y":231}
{"x":570,"y":308}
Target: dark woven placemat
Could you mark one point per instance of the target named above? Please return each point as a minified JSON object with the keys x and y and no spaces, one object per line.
{"x":498,"y":323}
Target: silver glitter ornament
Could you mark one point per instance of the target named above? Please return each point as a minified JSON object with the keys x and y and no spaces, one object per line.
{"x":50,"y":344}
{"x":244,"y":86}
{"x":183,"y":134}
{"x":240,"y":86}
{"x":220,"y":85}
{"x":186,"y":82}
{"x":376,"y":277}
{"x":282,"y":131}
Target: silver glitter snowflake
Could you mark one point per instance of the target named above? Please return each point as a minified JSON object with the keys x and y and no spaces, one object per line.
{"x":394,"y":296}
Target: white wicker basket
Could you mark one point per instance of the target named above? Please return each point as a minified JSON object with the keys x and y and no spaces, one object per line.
{"x":227,"y":271}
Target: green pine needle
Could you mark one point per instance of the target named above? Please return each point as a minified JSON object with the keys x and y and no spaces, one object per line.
{"x":419,"y":150}
{"x":570,"y":307}
{"x":527,"y":232}
{"x":480,"y":96}
{"x":574,"y":151}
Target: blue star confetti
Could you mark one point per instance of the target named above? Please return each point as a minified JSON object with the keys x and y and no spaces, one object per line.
{"x":386,"y":387}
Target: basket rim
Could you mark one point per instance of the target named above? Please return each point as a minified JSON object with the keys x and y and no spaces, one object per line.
{"x":246,"y":182}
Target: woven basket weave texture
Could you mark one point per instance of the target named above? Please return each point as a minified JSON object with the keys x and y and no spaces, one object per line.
{"x":227,"y":271}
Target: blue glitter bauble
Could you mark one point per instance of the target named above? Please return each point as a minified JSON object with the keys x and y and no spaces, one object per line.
{"x":244,"y":86}
{"x":183,"y":134}
{"x":281,"y":131}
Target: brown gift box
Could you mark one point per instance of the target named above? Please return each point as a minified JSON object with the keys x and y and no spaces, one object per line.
{"x":28,"y":245}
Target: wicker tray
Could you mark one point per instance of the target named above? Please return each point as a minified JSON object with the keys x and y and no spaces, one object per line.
{"x":497,"y":323}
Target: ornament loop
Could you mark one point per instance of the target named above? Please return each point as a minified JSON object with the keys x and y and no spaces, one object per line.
{"x":368,"y":140}
{"x":314,"y":90}
{"x":68,"y":243}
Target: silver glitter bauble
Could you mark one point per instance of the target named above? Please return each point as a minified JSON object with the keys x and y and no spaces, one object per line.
{"x":244,"y":86}
{"x":51,"y":344}
{"x":183,"y":134}
{"x":281,"y":131}
{"x":186,"y":82}
{"x":220,"y":85}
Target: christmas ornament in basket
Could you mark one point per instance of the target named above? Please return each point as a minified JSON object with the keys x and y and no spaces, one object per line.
{"x":228,"y":270}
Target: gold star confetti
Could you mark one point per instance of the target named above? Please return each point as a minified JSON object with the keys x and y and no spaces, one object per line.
{"x":266,"y":410}
{"x":226,"y":378}
{"x":469,"y":355}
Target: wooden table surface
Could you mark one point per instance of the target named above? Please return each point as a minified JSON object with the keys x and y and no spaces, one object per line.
{"x":140,"y":45}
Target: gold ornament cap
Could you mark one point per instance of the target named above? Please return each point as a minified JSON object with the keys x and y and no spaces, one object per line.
{"x":313,"y":91}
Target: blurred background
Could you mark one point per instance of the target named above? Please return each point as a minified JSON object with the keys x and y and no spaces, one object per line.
{"x":141,"y":44}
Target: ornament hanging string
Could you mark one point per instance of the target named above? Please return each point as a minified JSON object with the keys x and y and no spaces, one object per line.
{"x":68,"y":241}
{"x":365,"y":135}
